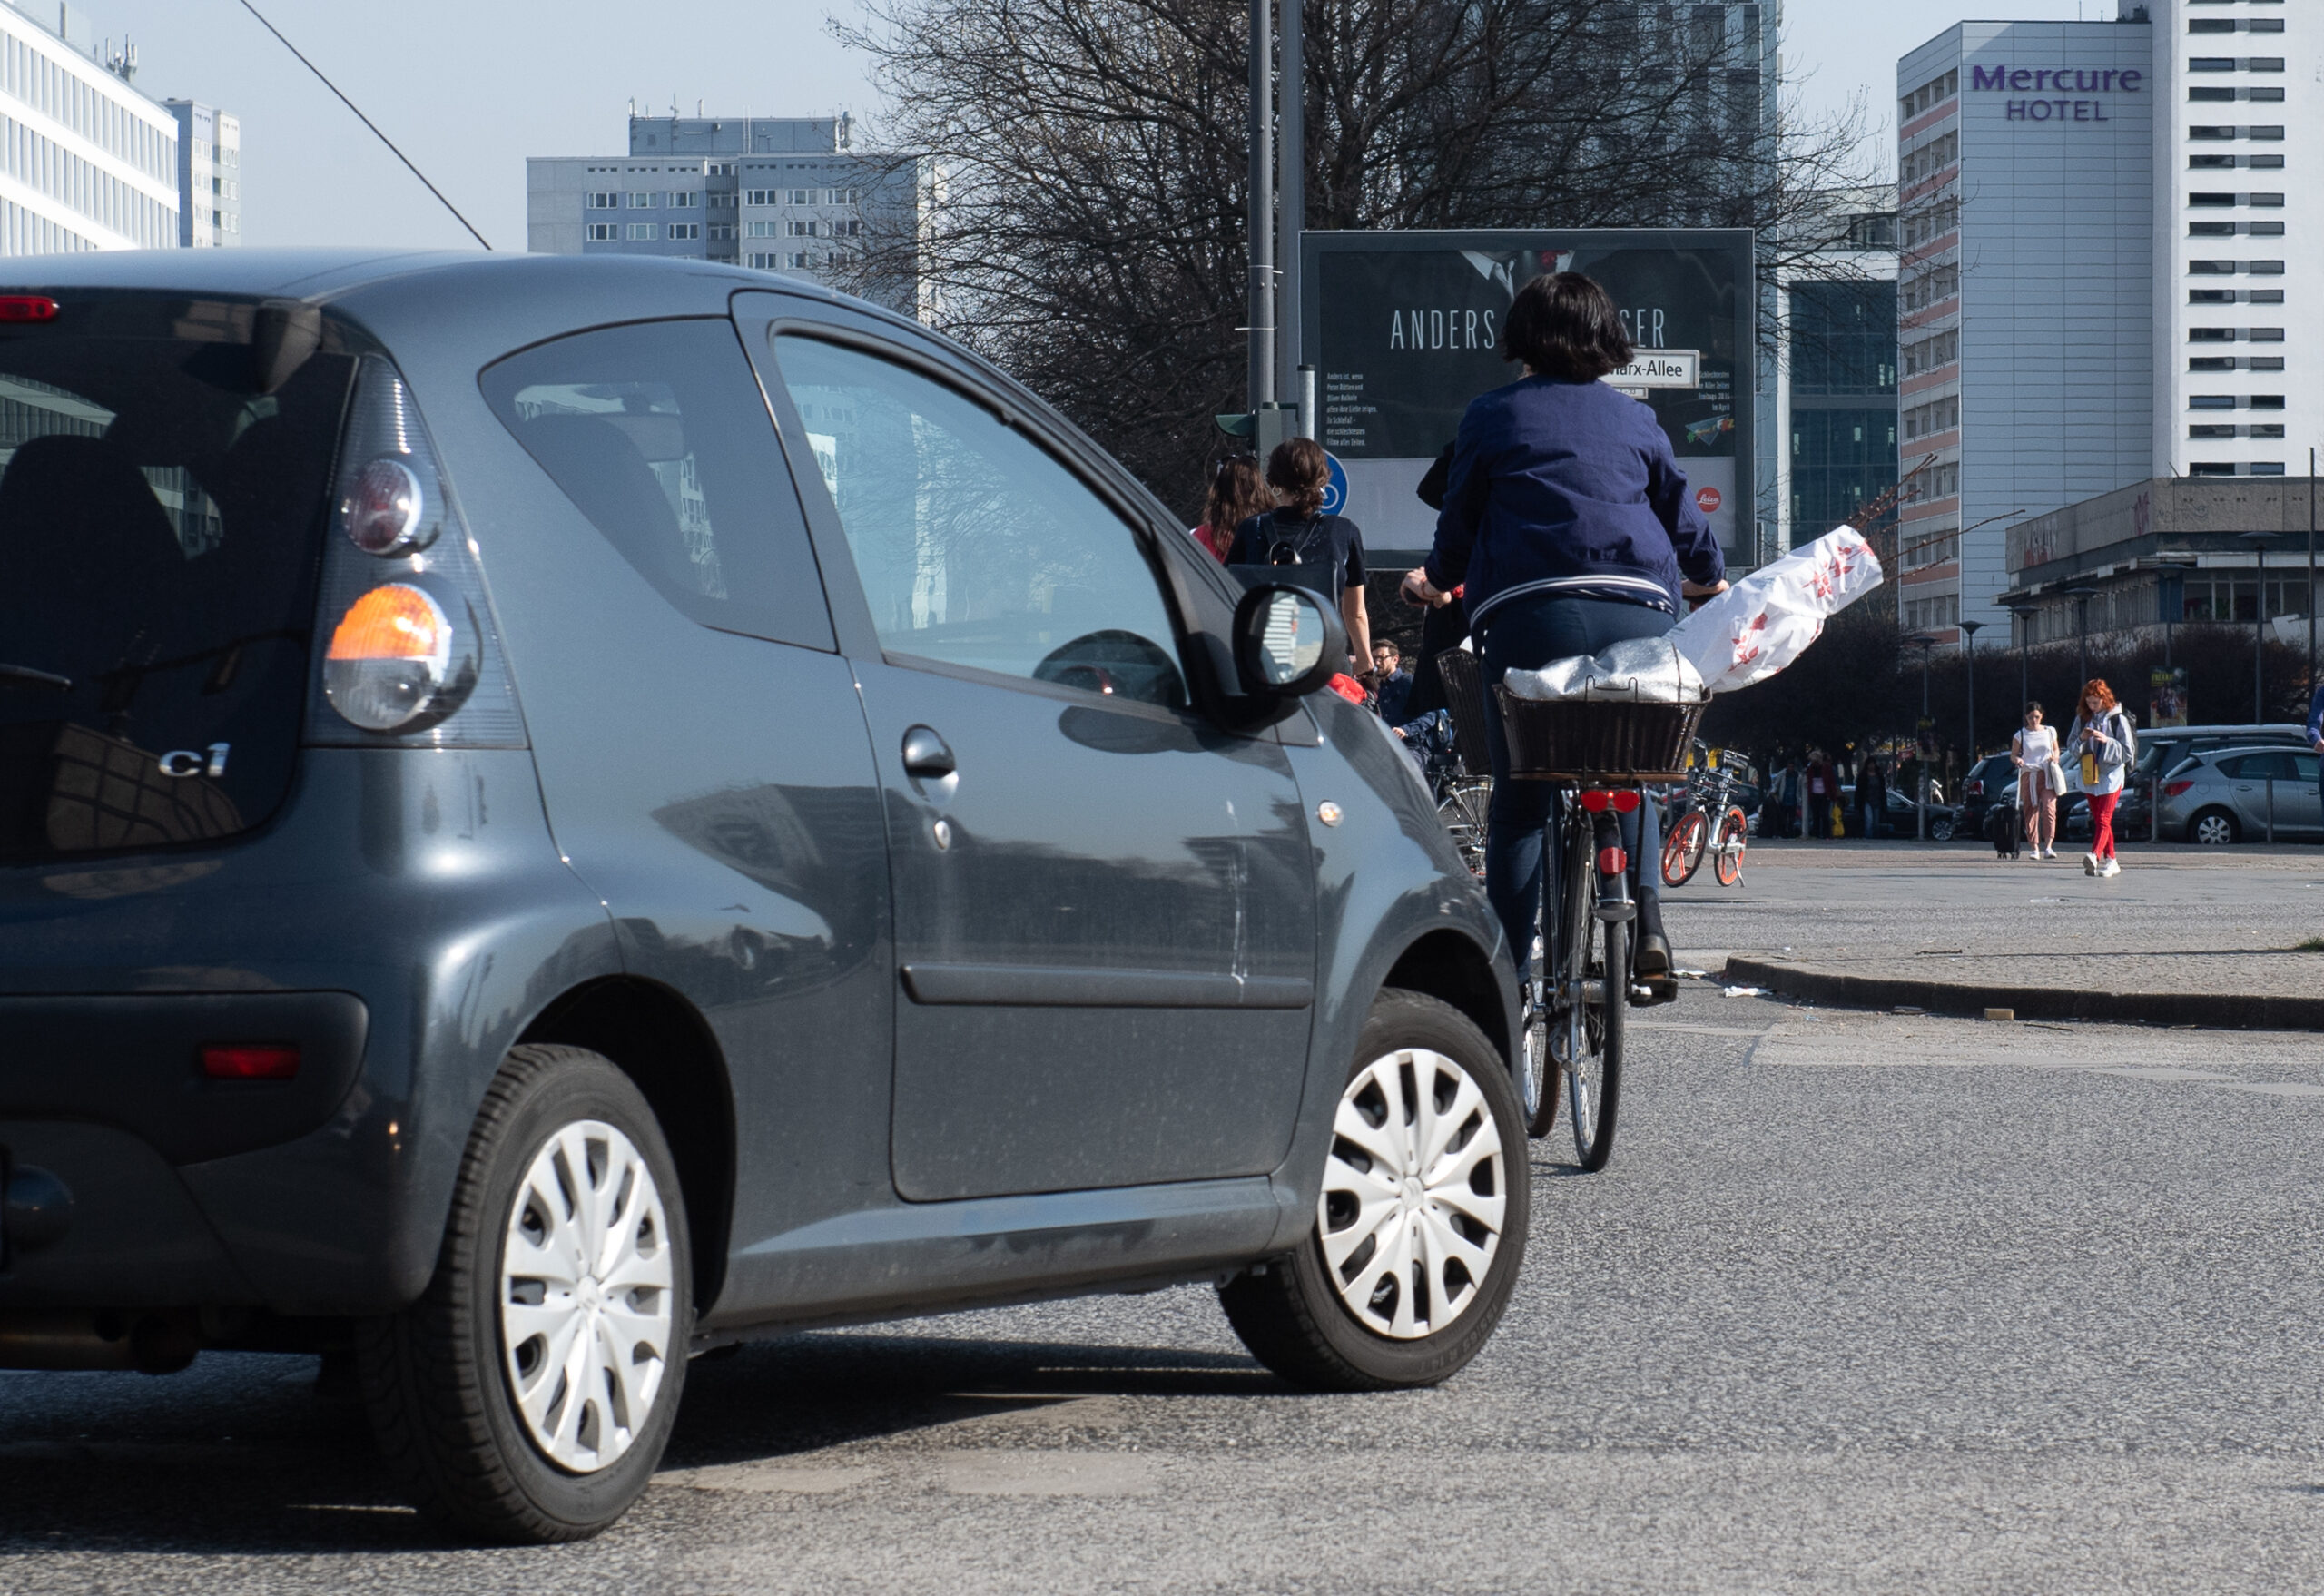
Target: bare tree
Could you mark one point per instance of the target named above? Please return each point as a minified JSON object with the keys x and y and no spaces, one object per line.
{"x":1089,"y":233}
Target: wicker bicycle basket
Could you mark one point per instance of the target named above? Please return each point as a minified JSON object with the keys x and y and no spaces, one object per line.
{"x":1597,"y":738}
{"x":1464,"y":700}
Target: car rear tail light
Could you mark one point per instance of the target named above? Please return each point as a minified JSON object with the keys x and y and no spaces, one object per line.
{"x":414,"y":657}
{"x":28,"y":307}
{"x":251,"y":1060}
{"x":2173,"y":789}
{"x":384,"y":511}
{"x":1612,"y":861}
{"x":395,"y":656}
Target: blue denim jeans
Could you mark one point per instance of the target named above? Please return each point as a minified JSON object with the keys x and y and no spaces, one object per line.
{"x":1526,"y":633}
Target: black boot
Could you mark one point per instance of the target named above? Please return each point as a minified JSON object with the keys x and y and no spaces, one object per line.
{"x":1653,"y":956}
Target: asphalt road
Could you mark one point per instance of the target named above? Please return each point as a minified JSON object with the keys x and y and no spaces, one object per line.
{"x":1864,"y":1303}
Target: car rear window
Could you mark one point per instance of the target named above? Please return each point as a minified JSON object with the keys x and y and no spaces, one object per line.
{"x":163,"y":480}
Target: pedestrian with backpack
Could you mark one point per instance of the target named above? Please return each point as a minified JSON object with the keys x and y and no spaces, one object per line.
{"x":1297,"y":542}
{"x":2102,"y":740}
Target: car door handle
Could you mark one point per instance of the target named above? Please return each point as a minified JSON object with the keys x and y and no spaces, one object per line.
{"x":925,"y":755}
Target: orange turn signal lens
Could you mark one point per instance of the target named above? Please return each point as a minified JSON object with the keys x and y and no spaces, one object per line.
{"x":390,"y":655}
{"x":392,"y":622}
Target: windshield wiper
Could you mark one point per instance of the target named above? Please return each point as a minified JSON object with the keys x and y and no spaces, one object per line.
{"x":17,"y":676}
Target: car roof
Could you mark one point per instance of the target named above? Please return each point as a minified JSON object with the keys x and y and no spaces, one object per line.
{"x":2238,"y":729}
{"x":2212,"y":756}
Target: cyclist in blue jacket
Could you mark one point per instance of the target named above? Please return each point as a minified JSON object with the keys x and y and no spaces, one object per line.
{"x":1575,"y":529}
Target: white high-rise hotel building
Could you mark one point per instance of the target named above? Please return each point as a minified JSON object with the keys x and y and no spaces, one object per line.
{"x":2103,"y":279}
{"x":86,"y":161}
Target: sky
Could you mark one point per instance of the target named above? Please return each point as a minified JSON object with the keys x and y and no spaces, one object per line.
{"x":469,"y":88}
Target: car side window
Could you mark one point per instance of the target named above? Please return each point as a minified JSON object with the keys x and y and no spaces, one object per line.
{"x":658,"y":433}
{"x":2233,"y":769}
{"x":2303,"y":768}
{"x":974,"y":547}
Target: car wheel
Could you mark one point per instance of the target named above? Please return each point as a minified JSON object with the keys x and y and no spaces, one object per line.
{"x":1940,"y":829}
{"x":527,"y":1394}
{"x":2214,"y":828}
{"x":1420,"y":1224}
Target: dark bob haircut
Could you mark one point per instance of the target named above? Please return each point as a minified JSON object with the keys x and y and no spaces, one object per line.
{"x":1563,"y":325}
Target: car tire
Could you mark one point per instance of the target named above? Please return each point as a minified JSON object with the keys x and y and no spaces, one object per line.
{"x":444,"y":1380}
{"x":1940,"y":829}
{"x":1300,"y":1315}
{"x":2214,"y":828}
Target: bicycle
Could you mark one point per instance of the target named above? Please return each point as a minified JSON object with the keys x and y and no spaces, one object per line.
{"x":1710,"y":791}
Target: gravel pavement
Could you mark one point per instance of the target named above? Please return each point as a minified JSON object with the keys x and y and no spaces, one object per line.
{"x":1865,"y":1303}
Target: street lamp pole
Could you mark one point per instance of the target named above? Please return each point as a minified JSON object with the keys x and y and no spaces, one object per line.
{"x":2082,"y":598}
{"x":2025,"y":607}
{"x":1926,"y":644}
{"x":2258,"y":541}
{"x":1260,"y":376}
{"x":1969,"y":629}
{"x":2170,"y":582}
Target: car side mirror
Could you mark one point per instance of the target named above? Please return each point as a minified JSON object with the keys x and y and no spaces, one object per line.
{"x":1288,"y":641}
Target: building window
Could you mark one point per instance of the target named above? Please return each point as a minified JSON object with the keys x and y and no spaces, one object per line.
{"x":1937,"y":416}
{"x":603,"y":232}
{"x":800,"y":196}
{"x":2210,"y":268}
{"x":761,"y":196}
{"x":603,"y":201}
{"x":1929,"y":353}
{"x":2266,"y":24}
{"x":2206,"y":97}
{"x":641,"y":230}
{"x":2266,"y":296}
{"x":682,"y":199}
{"x":2210,"y":335}
{"x":2266,"y":401}
{"x":641,"y":201}
{"x":2211,"y":25}
{"x":848,"y":229}
{"x":2210,"y":295}
{"x":2268,"y":201}
{"x":803,"y":230}
{"x":2266,"y":228}
{"x":2211,"y":132}
{"x":2268,"y":430}
{"x":2267,"y":64}
{"x":2211,"y":363}
{"x":2266,"y":268}
{"x":2267,"y":467}
{"x":2214,"y":200}
{"x":2267,"y":97}
{"x":800,"y":260}
{"x":2266,"y":134}
{"x":2211,"y":401}
{"x":685,"y":230}
{"x":2267,"y":335}
{"x":2210,"y":64}
{"x":765,"y":230}
{"x":721,"y":229}
{"x":764,"y":262}
{"x":2211,"y":429}
{"x":2211,"y":229}
{"x":2265,"y":162}
{"x":2210,"y":468}
{"x":2209,"y":162}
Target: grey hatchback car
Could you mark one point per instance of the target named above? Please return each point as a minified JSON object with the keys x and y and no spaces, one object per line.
{"x":2244,"y":794}
{"x":556,"y":814}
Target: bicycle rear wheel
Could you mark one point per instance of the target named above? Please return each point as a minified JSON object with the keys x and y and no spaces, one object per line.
{"x":1592,"y":992}
{"x":1463,"y":810}
{"x":1682,"y":853}
{"x":1734,"y":831}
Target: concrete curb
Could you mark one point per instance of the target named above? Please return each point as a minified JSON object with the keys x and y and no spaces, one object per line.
{"x":2217,"y":1011}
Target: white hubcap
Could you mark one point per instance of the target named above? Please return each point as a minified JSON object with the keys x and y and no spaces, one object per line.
{"x":1414,"y":1193}
{"x":585,"y":1295}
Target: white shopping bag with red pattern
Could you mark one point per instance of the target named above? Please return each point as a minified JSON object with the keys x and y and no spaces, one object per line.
{"x":1768,"y":619}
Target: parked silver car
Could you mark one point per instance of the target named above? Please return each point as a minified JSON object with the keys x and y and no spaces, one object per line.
{"x":2224,"y":795}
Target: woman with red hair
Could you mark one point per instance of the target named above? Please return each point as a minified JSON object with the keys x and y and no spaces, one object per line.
{"x":2102,"y":740}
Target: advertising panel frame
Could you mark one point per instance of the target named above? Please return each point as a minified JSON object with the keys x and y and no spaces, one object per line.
{"x":1378,"y":492}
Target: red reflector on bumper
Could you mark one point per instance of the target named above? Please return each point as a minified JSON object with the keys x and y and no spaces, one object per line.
{"x":1612,"y":861}
{"x":250,"y":1060}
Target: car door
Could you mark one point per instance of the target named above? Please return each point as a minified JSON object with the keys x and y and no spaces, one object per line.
{"x":1105,"y":903}
{"x":701,"y":756}
{"x":2249,"y":777}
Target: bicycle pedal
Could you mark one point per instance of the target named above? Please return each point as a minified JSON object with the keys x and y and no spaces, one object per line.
{"x":1654,"y":990}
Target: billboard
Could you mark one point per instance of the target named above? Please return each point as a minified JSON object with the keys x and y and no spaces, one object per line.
{"x":1403,"y":331}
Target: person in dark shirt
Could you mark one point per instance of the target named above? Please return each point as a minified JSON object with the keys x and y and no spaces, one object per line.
{"x":1297,"y":542}
{"x":1572,"y":528}
{"x":1396,"y":689}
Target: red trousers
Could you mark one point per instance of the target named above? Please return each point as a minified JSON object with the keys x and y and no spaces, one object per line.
{"x":2101,"y":822}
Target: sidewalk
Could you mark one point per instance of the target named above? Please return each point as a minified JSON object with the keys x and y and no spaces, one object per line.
{"x":2184,"y":936}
